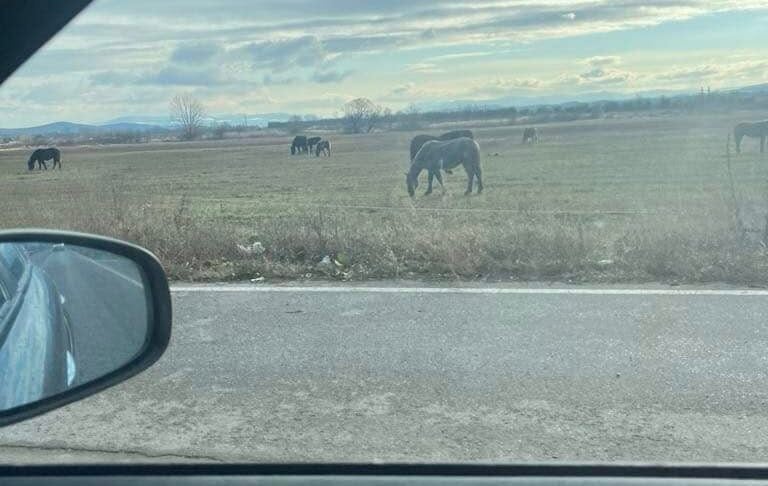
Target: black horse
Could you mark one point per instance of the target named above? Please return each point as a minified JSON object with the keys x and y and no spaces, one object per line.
{"x":41,"y":155}
{"x":323,"y":147}
{"x":299,"y":145}
{"x":311,"y":142}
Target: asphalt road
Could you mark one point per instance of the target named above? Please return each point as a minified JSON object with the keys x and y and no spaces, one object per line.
{"x":439,"y":376}
{"x":106,"y":304}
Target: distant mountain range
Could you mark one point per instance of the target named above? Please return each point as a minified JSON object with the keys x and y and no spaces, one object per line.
{"x":159,"y":123}
{"x":69,"y":128}
{"x":136,"y":123}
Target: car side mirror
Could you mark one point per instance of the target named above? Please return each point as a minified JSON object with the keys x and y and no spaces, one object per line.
{"x":78,"y":313}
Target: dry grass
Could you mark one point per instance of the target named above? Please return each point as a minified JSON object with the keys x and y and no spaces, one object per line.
{"x":622,"y":202}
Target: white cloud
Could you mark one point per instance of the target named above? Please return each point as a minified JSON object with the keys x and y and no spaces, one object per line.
{"x":423,"y":67}
{"x":602,"y":61}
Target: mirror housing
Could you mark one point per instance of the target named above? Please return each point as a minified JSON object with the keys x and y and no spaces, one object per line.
{"x":156,"y":313}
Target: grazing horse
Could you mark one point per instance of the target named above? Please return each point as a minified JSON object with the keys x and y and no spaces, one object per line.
{"x":530,"y":135}
{"x":323,"y":147}
{"x":420,"y":140}
{"x":299,"y":145}
{"x":311,"y":142}
{"x":41,"y":155}
{"x":752,"y":130}
{"x":436,"y":155}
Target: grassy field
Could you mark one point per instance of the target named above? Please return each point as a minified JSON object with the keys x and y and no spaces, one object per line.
{"x":629,"y":199}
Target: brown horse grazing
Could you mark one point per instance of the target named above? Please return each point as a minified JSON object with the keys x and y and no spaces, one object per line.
{"x":311,"y":142}
{"x":436,"y":155}
{"x":41,"y":155}
{"x":419,"y":140}
{"x":530,"y":135}
{"x":752,"y":130}
{"x":323,"y":147}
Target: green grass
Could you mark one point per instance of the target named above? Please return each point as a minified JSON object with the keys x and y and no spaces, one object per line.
{"x":632,"y":199}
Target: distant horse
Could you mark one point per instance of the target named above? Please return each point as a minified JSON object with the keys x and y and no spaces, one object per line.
{"x":752,"y":130}
{"x":311,"y":142}
{"x":419,"y":140}
{"x":436,"y":155}
{"x":530,"y":135}
{"x":299,"y":145}
{"x":323,"y":147}
{"x":41,"y":155}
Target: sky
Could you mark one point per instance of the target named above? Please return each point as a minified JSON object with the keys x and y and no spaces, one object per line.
{"x":121,"y":58}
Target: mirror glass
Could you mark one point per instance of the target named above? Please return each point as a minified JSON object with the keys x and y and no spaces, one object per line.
{"x":68,"y":315}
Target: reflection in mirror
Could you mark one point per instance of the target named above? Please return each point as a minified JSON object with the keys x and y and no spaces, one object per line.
{"x":68,"y":315}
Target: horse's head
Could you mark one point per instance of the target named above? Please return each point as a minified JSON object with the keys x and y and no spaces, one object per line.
{"x":31,"y":163}
{"x":411,"y":182}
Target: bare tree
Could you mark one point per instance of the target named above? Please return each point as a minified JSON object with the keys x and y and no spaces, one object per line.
{"x":361,"y":115}
{"x":188,"y":113}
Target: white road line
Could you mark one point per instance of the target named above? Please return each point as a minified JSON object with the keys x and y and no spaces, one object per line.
{"x":463,"y":290}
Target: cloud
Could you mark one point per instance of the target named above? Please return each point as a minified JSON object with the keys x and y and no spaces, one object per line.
{"x":569,"y":16}
{"x":196,"y":53}
{"x":727,"y":73}
{"x":601,"y":70}
{"x":505,"y":86}
{"x":330,"y":76}
{"x":602,"y":61}
{"x":180,"y":76}
{"x":402,"y":89}
{"x":269,"y":80}
{"x":113,"y":78}
{"x":423,"y":67}
{"x":690,"y":73}
{"x":460,"y":55}
{"x":606,"y":76}
{"x":282,"y":54}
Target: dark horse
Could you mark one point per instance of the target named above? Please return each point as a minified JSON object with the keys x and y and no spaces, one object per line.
{"x":530,"y":135}
{"x":420,"y":140}
{"x":299,"y":145}
{"x":311,"y":142}
{"x":752,"y":130}
{"x":435,"y":156}
{"x":41,"y":155}
{"x":323,"y":147}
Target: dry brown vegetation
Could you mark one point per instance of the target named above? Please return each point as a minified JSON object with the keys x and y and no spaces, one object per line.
{"x":599,"y":201}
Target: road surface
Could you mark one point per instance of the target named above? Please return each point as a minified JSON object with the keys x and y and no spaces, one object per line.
{"x":105,"y":300}
{"x":271,"y":374}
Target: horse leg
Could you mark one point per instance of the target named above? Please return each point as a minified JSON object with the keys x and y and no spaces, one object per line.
{"x":440,"y":180}
{"x":470,"y":179}
{"x":479,"y":175}
{"x":738,"y":143}
{"x":429,"y":186}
